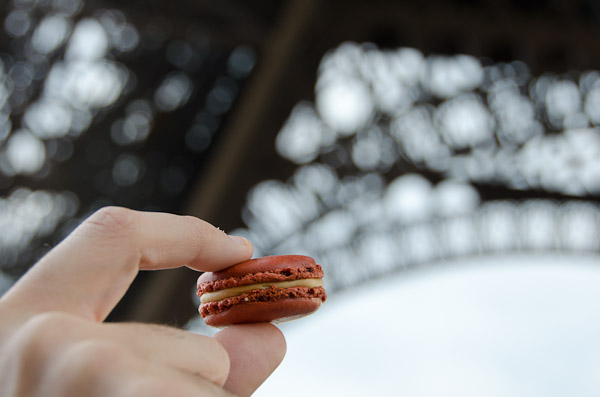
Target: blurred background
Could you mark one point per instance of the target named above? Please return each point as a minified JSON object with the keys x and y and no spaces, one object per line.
{"x":441,"y":160}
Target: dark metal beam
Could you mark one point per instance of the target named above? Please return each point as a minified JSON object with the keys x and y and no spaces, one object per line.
{"x":162,"y":299}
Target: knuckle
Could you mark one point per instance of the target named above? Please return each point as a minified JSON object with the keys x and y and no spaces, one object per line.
{"x":112,"y":220}
{"x":83,"y":364}
{"x":147,"y":386}
{"x":91,"y":356}
{"x":44,"y":326}
{"x":32,"y":346}
{"x":199,"y":229}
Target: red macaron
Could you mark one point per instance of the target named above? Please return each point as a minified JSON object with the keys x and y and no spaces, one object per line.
{"x":269,"y":289}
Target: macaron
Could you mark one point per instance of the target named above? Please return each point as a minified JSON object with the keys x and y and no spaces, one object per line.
{"x":268,"y":289}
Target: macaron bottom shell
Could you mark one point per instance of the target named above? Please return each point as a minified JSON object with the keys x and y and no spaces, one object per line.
{"x":254,"y":312}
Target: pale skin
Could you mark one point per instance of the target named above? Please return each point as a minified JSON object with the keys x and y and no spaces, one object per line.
{"x":53,"y":341}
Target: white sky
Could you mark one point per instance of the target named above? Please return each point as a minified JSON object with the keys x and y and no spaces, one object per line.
{"x":500,"y":326}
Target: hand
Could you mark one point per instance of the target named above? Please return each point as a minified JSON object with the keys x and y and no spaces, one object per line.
{"x":53,"y":340}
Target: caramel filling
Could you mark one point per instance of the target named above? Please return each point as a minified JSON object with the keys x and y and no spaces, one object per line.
{"x":235,"y":291}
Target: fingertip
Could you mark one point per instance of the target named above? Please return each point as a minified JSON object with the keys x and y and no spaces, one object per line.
{"x":262,"y":336}
{"x":243,"y":241}
{"x":215,"y":250}
{"x":255,"y":351}
{"x":244,"y":244}
{"x":276,"y":339}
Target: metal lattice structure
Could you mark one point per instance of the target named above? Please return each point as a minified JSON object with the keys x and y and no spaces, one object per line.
{"x":201,"y":91}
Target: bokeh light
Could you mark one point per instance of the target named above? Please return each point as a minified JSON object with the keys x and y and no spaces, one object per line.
{"x":29,"y":215}
{"x":83,"y":116}
{"x":398,"y":154}
{"x":173,"y":92}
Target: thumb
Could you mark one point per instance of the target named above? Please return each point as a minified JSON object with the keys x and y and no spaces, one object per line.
{"x":255,"y":351}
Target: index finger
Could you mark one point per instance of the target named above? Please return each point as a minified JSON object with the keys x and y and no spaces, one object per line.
{"x":89,"y":272}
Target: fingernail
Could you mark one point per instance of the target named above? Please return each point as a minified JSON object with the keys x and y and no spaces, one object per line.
{"x":239,"y":240}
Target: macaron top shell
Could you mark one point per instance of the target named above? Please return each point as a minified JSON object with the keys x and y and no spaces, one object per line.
{"x":259,"y":265}
{"x":266,"y":269}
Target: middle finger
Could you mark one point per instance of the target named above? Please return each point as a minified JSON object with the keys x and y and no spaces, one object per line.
{"x":196,"y":354}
